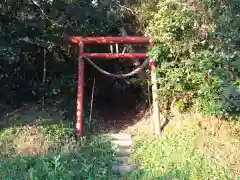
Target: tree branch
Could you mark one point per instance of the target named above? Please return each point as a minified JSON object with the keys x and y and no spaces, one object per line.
{"x":46,"y":16}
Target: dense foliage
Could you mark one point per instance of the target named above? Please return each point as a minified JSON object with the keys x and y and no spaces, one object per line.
{"x":198,"y":51}
{"x":34,"y":60}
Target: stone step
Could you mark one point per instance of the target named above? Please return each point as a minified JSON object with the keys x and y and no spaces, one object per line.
{"x":119,"y":151}
{"x":120,"y":159}
{"x":124,"y":168}
{"x":122,"y":143}
{"x":121,"y":137}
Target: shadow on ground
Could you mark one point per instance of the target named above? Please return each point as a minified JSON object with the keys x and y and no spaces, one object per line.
{"x":118,"y":109}
{"x":31,"y":114}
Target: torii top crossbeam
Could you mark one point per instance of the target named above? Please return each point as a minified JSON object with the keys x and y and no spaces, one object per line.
{"x":108,"y":40}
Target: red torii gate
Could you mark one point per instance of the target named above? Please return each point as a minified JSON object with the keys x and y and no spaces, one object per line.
{"x":81,"y":41}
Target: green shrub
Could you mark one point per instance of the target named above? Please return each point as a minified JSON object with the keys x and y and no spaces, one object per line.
{"x":198,"y":54}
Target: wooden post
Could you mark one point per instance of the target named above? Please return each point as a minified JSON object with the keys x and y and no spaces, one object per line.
{"x":155,"y":110}
{"x":80,"y":87}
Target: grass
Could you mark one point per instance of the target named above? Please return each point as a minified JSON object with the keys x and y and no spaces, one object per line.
{"x":186,"y":152}
{"x":38,"y":145}
{"x":47,"y":150}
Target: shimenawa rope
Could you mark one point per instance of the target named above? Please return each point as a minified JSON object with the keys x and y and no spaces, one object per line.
{"x":135,"y":71}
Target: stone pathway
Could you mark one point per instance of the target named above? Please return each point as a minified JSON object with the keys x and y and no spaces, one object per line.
{"x":123,"y":148}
